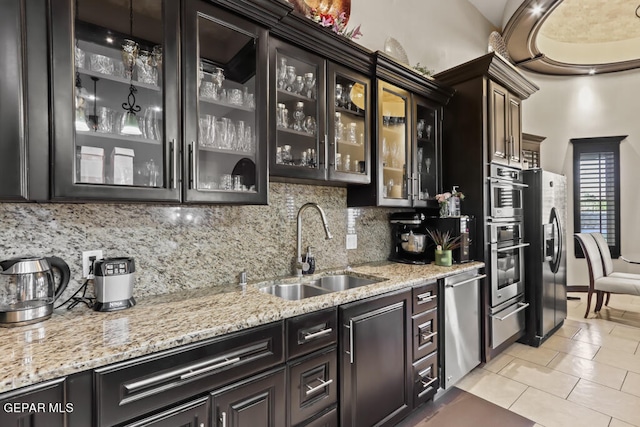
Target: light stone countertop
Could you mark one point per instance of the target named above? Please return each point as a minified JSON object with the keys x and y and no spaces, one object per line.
{"x":76,"y":340}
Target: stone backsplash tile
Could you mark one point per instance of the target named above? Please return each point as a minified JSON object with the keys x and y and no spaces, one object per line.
{"x":185,"y":247}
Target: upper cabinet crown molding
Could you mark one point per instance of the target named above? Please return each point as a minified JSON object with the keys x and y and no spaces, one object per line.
{"x":495,"y":67}
{"x":403,"y":75}
{"x":265,"y":12}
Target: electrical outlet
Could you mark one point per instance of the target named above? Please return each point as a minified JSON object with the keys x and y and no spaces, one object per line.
{"x":352,"y":241}
{"x":86,"y":262}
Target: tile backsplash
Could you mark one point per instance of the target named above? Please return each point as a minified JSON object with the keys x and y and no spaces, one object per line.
{"x":183,"y":247}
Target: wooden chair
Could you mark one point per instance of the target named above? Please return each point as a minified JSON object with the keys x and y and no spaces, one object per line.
{"x":599,"y":282}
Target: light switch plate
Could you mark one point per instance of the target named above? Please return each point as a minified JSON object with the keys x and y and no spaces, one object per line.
{"x":352,"y":241}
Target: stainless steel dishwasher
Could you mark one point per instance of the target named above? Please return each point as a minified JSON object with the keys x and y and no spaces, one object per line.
{"x":462,"y":351}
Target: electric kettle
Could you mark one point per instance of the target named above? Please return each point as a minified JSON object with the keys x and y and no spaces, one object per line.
{"x":28,"y":288}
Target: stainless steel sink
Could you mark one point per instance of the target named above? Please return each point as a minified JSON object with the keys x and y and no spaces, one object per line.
{"x":320,"y":286}
{"x":294,"y":291}
{"x":342,"y":282}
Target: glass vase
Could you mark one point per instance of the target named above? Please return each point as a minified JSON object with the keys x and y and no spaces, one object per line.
{"x":444,"y":209}
{"x":443,"y":258}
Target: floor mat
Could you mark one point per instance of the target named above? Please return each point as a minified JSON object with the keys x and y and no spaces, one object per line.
{"x":457,"y":408}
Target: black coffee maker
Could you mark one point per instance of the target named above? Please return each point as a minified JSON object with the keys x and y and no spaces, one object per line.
{"x":409,"y":238}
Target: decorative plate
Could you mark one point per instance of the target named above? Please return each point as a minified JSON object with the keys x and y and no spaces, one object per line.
{"x":394,"y":49}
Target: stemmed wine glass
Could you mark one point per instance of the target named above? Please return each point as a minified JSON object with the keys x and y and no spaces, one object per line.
{"x":338,"y":95}
{"x":129,"y":55}
{"x":217,"y":76}
{"x":346,"y":97}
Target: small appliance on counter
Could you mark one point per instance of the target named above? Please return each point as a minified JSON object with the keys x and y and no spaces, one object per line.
{"x":411,"y":243}
{"x":28,"y":288}
{"x":409,"y":238}
{"x":113,"y":283}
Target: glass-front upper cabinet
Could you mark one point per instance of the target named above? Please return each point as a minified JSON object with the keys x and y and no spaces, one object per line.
{"x":115,"y":102}
{"x":394,"y":146}
{"x":349,"y":124}
{"x":298,"y":104}
{"x":426,"y":176}
{"x":225,"y":93}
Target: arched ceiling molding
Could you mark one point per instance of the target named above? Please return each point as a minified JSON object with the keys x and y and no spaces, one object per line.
{"x":520,"y":35}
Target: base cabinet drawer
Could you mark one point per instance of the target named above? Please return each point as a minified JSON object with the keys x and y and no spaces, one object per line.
{"x":256,"y":402}
{"x":192,"y":414}
{"x":311,"y":332}
{"x":425,"y":297}
{"x":425,"y":334}
{"x":313,"y":385}
{"x":40,"y":405}
{"x":128,"y":390}
{"x":425,"y":377}
{"x":328,"y":419}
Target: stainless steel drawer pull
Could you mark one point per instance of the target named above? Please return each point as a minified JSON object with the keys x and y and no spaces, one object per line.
{"x":464,"y":282}
{"x":322,"y":385}
{"x":426,"y":297}
{"x":521,"y":306}
{"x":507,"y":183}
{"x":226,"y":362}
{"x":429,"y":336}
{"x":428,"y":383}
{"x":318,"y":334}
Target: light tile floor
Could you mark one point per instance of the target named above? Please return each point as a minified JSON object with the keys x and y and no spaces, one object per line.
{"x":586,"y":374}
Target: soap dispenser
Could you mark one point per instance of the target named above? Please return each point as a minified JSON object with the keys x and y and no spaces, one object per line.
{"x":310,"y":259}
{"x":454,"y":202}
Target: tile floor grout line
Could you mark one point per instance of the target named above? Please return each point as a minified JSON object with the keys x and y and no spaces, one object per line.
{"x":518,"y":398}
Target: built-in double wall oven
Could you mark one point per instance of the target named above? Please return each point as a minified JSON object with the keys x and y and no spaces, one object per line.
{"x":506,"y":249}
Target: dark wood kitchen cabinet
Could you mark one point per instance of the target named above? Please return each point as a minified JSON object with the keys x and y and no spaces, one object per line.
{"x":159,"y":101}
{"x":256,"y":402}
{"x":479,"y":120}
{"x":375,"y":353}
{"x":320,"y":118}
{"x":191,"y":414}
{"x":408,"y":122}
{"x":505,"y":126}
{"x":40,"y":405}
{"x":24,"y":133}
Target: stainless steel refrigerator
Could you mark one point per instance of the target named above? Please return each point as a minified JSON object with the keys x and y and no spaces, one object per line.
{"x":545,"y":219}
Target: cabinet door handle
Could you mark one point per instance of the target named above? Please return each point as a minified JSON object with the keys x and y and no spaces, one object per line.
{"x":429,"y":336}
{"x":174,"y":163}
{"x":464,"y":282}
{"x":192,"y":164}
{"x":350,"y":352}
{"x":318,"y":334}
{"x":322,"y":385}
{"x":222,"y":364}
{"x":420,"y":186}
{"x":223,"y":419}
{"x":510,"y":248}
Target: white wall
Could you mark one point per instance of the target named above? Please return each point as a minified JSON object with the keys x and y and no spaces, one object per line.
{"x":438,"y":34}
{"x":591,"y":106}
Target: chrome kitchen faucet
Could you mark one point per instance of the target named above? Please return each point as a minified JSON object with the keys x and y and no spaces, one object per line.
{"x":301,"y":266}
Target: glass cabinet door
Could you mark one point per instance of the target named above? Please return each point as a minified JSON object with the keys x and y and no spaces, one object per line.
{"x":349,"y":124}
{"x":225,"y":81}
{"x":116,"y":110}
{"x":394,"y":146}
{"x":298,"y":105}
{"x":427,"y":152}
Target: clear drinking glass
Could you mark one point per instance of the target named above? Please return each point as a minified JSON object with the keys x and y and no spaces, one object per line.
{"x":290,"y":77}
{"x":309,"y":85}
{"x":298,"y":117}
{"x":338,"y":100}
{"x":282,"y":73}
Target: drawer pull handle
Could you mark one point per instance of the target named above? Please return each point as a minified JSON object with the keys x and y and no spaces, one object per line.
{"x":226,"y":362}
{"x":426,"y":384}
{"x":426,"y":337}
{"x":318,"y":334}
{"x":322,"y":385}
{"x":426,"y":297}
{"x":223,"y":419}
{"x":521,"y":306}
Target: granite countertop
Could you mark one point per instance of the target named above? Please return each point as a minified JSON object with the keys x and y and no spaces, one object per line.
{"x":76,"y":340}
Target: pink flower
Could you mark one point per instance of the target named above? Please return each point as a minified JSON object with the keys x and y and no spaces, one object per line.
{"x":327,"y":20}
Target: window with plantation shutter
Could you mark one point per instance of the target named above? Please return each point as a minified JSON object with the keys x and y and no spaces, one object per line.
{"x":596,"y":194}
